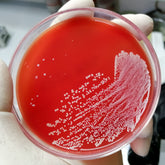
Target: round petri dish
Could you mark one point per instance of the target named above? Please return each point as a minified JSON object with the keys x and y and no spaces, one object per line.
{"x":86,"y":82}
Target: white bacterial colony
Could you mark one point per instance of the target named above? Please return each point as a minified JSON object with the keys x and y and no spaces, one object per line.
{"x":99,"y":110}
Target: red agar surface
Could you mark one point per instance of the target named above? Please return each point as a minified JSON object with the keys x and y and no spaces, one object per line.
{"x":84,"y":84}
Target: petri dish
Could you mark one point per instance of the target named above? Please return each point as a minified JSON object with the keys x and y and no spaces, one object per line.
{"x":86,"y":82}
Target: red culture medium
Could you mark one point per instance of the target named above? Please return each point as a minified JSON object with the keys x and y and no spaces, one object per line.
{"x":84,"y":84}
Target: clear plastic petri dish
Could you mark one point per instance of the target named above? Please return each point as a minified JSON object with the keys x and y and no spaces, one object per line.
{"x":86,"y":82}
